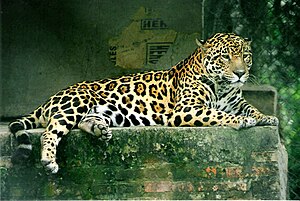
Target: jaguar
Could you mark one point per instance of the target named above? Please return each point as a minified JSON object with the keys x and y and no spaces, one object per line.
{"x":201,"y":90}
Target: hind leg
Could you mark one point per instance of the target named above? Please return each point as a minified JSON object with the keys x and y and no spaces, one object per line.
{"x":58,"y":126}
{"x":49,"y":143}
{"x":96,"y":124}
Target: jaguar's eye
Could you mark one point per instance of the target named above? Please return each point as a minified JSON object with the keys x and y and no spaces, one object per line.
{"x":245,"y":56}
{"x":226,"y":56}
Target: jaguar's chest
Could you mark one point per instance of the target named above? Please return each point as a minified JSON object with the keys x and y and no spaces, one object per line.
{"x":227,"y":99}
{"x":213,"y":95}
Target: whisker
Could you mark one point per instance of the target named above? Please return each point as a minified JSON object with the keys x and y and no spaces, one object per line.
{"x":252,"y":79}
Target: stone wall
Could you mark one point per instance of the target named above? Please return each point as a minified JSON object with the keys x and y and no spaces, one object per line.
{"x":153,"y":163}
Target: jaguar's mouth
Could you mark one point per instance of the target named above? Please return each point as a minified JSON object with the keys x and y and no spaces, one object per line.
{"x":238,"y":83}
{"x":235,"y":81}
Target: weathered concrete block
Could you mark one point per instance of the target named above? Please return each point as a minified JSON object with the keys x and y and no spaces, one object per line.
{"x":263,"y":97}
{"x":154,"y":163}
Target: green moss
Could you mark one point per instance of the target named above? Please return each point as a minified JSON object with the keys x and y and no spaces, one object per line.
{"x":3,"y":180}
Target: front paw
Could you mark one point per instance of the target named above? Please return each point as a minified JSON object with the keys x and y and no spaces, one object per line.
{"x":269,"y":121}
{"x":243,"y":122}
{"x":247,"y":122}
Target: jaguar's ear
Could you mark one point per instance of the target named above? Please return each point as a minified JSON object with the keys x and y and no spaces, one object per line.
{"x":200,"y":43}
{"x":248,"y":40}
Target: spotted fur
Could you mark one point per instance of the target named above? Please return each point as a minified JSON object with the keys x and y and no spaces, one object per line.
{"x":201,"y":90}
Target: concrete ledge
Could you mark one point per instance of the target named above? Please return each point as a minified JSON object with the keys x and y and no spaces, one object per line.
{"x":263,"y":97}
{"x":153,"y":163}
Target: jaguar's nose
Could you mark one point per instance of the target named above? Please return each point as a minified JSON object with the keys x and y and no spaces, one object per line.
{"x":239,"y":73}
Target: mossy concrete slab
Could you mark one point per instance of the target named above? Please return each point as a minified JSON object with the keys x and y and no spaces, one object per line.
{"x":153,"y":163}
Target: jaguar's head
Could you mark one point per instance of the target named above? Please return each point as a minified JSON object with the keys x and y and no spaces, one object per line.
{"x":227,"y":57}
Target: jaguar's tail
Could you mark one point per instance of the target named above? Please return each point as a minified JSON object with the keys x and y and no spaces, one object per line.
{"x":18,"y":129}
{"x":27,"y":122}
